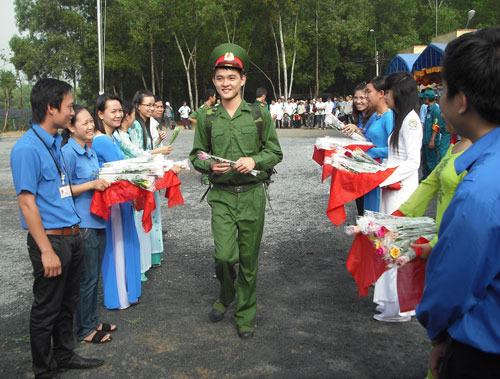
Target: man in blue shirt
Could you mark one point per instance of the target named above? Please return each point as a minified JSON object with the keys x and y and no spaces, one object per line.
{"x":54,"y":241}
{"x":460,"y":306}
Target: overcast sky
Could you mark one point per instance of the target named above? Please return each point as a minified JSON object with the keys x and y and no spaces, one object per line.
{"x":7,"y":24}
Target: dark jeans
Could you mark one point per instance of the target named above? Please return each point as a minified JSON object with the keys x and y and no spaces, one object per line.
{"x":309,"y":119}
{"x":93,"y":247}
{"x":54,"y":303}
{"x":463,"y":361}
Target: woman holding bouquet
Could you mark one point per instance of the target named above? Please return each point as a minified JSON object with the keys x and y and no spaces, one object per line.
{"x":121,"y":271}
{"x":404,"y":143}
{"x":141,"y":137}
{"x":83,"y":167}
{"x":130,"y":150}
{"x":361,"y":113}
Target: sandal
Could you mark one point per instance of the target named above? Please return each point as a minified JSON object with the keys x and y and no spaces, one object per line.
{"x":106,"y":327}
{"x":98,"y":337}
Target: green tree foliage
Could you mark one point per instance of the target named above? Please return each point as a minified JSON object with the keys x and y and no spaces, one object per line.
{"x":163,"y":45}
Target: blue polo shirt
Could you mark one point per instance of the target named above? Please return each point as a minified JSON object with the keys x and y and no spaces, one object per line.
{"x":82,"y":166}
{"x":462,"y":279}
{"x":34,"y":170}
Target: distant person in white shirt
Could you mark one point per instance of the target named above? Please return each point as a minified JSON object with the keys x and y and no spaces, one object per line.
{"x":184,"y":112}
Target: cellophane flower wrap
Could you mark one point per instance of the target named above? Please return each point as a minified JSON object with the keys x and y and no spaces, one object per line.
{"x":205,"y":156}
{"x":391,"y":235}
{"x":356,"y":160}
{"x":339,"y":125}
{"x":141,"y":171}
{"x":174,"y":135}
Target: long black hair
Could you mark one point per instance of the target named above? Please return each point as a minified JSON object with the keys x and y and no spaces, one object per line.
{"x":405,"y":94}
{"x":146,"y":132}
{"x":66,"y":133}
{"x":100,"y":105}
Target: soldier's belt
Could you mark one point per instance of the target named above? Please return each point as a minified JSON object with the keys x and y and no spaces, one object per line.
{"x":236,"y":189}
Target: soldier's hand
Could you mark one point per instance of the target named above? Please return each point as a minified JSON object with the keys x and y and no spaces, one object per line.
{"x":244,"y":165}
{"x":220,"y":168}
{"x":51,"y":264}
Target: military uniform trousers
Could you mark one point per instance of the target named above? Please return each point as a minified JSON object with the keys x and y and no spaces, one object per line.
{"x":237,"y":226}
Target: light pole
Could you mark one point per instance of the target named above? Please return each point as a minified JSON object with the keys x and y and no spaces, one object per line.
{"x":376,"y":52}
{"x":471,"y":14}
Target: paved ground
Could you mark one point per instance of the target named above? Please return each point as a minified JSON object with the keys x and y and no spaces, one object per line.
{"x":310,"y":321}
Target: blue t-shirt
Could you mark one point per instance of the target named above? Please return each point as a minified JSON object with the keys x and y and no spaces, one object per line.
{"x":83,"y":167}
{"x":377,"y":130}
{"x":462,"y":278}
{"x":107,"y":149}
{"x":34,"y":171}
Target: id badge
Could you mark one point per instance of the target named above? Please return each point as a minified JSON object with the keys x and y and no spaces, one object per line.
{"x":65,"y":192}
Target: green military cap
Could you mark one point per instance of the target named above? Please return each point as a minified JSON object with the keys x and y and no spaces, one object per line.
{"x":229,"y":55}
{"x":428,"y":94}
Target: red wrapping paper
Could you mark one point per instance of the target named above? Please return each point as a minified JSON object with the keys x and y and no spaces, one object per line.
{"x":366,"y":267}
{"x":348,"y":186}
{"x":123,"y":191}
{"x":364,"y":264}
{"x":411,"y":280}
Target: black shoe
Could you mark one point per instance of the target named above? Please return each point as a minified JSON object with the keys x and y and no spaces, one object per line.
{"x":216,"y":315}
{"x":77,"y":362}
{"x":245,"y":335}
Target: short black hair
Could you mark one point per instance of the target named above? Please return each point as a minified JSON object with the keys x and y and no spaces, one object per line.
{"x":378,"y":82}
{"x":157,"y":98}
{"x":471,"y":65}
{"x":127,"y":108}
{"x":46,"y":92}
{"x":259,"y":92}
{"x":208,"y":94}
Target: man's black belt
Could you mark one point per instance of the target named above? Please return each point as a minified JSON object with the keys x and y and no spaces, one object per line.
{"x":236,"y":189}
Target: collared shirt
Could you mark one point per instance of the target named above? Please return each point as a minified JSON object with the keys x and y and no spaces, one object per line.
{"x":82,"y":166}
{"x":34,"y":171}
{"x":235,"y":137}
{"x":433,"y":117}
{"x":184,"y":111}
{"x":377,"y":130}
{"x":462,"y":283}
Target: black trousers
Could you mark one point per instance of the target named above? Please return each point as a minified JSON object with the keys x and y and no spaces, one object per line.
{"x":54,"y":303}
{"x":463,"y":361}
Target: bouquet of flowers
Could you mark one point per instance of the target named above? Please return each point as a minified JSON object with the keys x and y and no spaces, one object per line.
{"x":141,"y":171}
{"x":356,"y":161}
{"x":205,"y":156}
{"x":339,"y":125}
{"x":329,"y":143}
{"x":391,"y":235}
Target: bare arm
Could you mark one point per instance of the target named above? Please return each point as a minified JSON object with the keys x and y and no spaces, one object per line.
{"x":99,"y":185}
{"x":31,"y":214}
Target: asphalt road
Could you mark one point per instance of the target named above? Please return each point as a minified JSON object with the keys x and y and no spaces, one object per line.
{"x":310,"y":321}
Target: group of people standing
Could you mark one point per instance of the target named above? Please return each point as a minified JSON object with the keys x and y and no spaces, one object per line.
{"x":55,"y":177}
{"x":313,"y":113}
{"x":462,"y":285}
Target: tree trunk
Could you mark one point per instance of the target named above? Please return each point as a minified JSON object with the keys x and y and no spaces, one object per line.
{"x":316,"y":91}
{"x":283,"y":56}
{"x":144,"y":81}
{"x":75,"y":97}
{"x":21,"y":123}
{"x":186,"y":68}
{"x":152,"y":64}
{"x":195,"y":73}
{"x":294,"y":54}
{"x":278,"y":60}
{"x":268,"y":78}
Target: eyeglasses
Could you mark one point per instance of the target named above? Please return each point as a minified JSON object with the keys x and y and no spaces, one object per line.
{"x":149,"y":105}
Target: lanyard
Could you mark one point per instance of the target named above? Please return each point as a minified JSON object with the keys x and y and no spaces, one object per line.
{"x":61,"y":174}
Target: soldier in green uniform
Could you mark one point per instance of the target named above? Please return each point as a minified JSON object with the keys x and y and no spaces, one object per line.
{"x":237,"y":197}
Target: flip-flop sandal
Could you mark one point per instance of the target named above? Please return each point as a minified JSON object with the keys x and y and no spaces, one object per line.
{"x":106,"y":327}
{"x":98,"y":336}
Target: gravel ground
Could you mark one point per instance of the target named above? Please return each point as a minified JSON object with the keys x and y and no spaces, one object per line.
{"x":310,"y":321}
